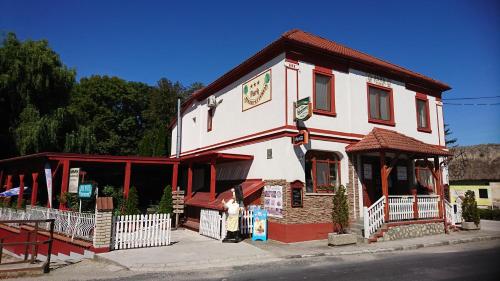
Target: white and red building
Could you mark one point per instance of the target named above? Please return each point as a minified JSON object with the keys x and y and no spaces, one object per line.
{"x":376,"y":128}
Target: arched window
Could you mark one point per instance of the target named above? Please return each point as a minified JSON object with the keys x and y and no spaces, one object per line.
{"x":322,"y":172}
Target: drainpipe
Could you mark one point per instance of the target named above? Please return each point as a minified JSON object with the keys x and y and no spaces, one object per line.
{"x":179,"y":130}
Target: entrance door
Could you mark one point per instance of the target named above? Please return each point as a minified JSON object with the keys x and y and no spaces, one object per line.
{"x":372,"y":184}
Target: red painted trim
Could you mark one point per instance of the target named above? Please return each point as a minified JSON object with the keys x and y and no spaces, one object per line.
{"x":286,"y":96}
{"x":389,"y":122}
{"x":315,"y":130}
{"x":213,"y":180}
{"x":34,"y":191}
{"x":318,"y":70}
{"x":270,"y":89}
{"x":190,"y":181}
{"x":64,"y":180}
{"x":290,"y":233}
{"x":21,"y":191}
{"x":175,"y":174}
{"x":100,"y":250}
{"x":126,"y":180}
{"x":423,"y":97}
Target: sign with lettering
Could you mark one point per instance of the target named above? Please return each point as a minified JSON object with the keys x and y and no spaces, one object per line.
{"x":259,"y":225}
{"x":377,"y":80}
{"x":303,"y":109}
{"x":257,"y":90}
{"x":301,"y":138}
{"x":273,"y":200}
{"x":85,"y":191}
{"x":74,"y":176}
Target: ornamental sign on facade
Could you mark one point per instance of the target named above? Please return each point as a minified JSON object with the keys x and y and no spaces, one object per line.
{"x":257,"y":90}
{"x":303,"y":109}
{"x":377,"y":80}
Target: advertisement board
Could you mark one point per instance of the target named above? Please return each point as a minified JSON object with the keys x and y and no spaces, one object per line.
{"x":273,"y":201}
{"x":259,"y":225}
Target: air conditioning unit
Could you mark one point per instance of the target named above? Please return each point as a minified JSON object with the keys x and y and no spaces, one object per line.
{"x":212,"y":101}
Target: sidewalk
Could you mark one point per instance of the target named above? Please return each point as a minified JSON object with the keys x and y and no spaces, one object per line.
{"x":193,"y":251}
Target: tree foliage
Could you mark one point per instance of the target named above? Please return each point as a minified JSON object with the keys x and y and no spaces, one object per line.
{"x":45,"y":109}
{"x":470,"y":212}
{"x":340,"y":211}
{"x":449,"y":140}
{"x":34,"y":89}
{"x":131,"y":204}
{"x":166,"y":203}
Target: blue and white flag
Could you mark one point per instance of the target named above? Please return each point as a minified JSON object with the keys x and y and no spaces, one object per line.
{"x":12,"y":192}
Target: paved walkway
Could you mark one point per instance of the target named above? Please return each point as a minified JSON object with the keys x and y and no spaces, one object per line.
{"x":193,"y":251}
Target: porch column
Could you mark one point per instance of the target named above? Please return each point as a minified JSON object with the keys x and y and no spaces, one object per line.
{"x":64,"y":181}
{"x":415,"y":203}
{"x":439,"y":187}
{"x":190,"y":181}
{"x":212,"y":179}
{"x":126,"y":180}
{"x":21,"y":191}
{"x":34,"y":190}
{"x":9,"y":182}
{"x":385,"y":184}
{"x":175,"y":174}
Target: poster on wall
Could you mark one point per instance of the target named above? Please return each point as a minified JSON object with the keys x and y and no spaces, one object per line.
{"x":48,"y":179}
{"x":273,"y":201}
{"x":257,"y":90}
{"x":402,"y":173}
{"x":74,"y":176}
{"x":367,"y":171}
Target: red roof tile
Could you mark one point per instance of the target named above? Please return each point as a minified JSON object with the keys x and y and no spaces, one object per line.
{"x":382,"y":139}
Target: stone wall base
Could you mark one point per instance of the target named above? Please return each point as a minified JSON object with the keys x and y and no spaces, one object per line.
{"x":412,"y":231}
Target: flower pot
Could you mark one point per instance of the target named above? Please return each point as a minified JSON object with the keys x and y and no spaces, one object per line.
{"x":335,"y":239}
{"x":469,"y":225}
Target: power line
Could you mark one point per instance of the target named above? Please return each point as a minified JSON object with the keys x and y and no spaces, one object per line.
{"x":480,"y":104}
{"x":474,"y":98}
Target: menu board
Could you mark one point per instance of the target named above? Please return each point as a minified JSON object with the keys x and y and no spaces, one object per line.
{"x":296,"y":197}
{"x":273,"y":201}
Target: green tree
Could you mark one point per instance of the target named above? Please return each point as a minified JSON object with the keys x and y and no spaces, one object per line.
{"x":470,"y":212}
{"x":340,"y":211}
{"x":166,"y":203}
{"x":131,"y":204}
{"x":107,"y":116}
{"x":34,"y":89}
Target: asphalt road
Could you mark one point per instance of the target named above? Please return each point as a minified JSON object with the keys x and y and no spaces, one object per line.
{"x":474,"y":261}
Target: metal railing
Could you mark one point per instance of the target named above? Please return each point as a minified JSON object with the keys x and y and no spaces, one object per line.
{"x":31,"y":245}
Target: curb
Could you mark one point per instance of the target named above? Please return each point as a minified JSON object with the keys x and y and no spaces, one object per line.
{"x":398,"y":248}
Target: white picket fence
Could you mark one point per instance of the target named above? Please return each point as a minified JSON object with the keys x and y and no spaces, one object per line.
{"x":213,"y":223}
{"x":136,"y":231}
{"x":428,"y":206}
{"x":374,"y":217}
{"x":68,"y":223}
{"x":401,"y":207}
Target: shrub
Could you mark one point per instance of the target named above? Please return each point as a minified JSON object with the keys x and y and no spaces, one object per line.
{"x":340,"y":211}
{"x":470,"y":212}
{"x":117,"y":195}
{"x":131,"y":204}
{"x":489,"y":214}
{"x":166,"y":206}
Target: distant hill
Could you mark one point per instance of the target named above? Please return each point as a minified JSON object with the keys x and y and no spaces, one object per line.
{"x":476,"y":162}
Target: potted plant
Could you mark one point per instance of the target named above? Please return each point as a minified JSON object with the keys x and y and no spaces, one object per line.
{"x":340,"y":218}
{"x":470,"y":213}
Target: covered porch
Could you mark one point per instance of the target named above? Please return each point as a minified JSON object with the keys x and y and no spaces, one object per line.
{"x":401,"y":178}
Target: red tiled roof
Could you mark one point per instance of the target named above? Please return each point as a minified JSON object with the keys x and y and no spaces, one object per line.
{"x":338,"y":49}
{"x":202,"y":199}
{"x":382,"y":139}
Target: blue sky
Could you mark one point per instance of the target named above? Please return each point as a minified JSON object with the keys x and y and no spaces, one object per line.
{"x":457,"y":42}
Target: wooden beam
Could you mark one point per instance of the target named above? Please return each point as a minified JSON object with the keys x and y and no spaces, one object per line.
{"x":385,"y":185}
{"x":9,"y":182}
{"x":34,"y":190}
{"x":213,"y":179}
{"x":64,"y":182}
{"x":190,"y":181}
{"x":126,"y":179}
{"x":175,"y":175}
{"x":21,"y":191}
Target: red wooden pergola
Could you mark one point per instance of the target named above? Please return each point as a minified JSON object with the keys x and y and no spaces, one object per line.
{"x":24,"y":165}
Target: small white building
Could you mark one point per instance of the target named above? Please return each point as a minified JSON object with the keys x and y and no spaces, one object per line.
{"x":374,"y":127}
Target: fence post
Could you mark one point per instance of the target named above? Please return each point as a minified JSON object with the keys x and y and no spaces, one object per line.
{"x":103,"y":224}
